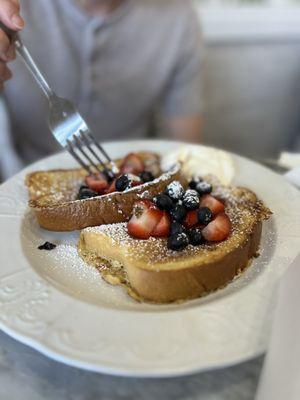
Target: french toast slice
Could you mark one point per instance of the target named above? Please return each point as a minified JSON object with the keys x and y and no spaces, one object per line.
{"x":152,"y":272}
{"x":53,"y":197}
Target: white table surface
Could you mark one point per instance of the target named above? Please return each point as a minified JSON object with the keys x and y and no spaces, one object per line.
{"x":27,"y":375}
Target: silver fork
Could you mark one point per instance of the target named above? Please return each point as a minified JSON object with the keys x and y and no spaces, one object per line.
{"x":65,"y":122}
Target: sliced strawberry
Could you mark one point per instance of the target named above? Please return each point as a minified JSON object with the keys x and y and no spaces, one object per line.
{"x":218,"y":229}
{"x":132,"y":164}
{"x":144,"y":219}
{"x":191,"y":219}
{"x":215,"y":205}
{"x":97,"y":182}
{"x":112,"y":187}
{"x":136,"y":183}
{"x":162,"y":229}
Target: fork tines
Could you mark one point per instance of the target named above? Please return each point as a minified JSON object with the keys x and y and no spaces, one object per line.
{"x":85,"y":149}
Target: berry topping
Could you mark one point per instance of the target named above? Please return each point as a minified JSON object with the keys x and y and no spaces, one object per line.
{"x":47,"y":246}
{"x":178,"y":213}
{"x":112,"y":187}
{"x":132,"y":164}
{"x":191,"y":219}
{"x":215,"y":205}
{"x":144,"y":220}
{"x":86,"y":193}
{"x":97,"y":182}
{"x":193,"y":183}
{"x":191,"y":200}
{"x":217,"y":230}
{"x":175,"y":190}
{"x":176,"y":228}
{"x":146,"y":176}
{"x":162,"y":229}
{"x":195,"y":237}
{"x":204,"y":215}
{"x":178,"y":242}
{"x":163,"y":202}
{"x":203,"y":188}
{"x":122,"y":183}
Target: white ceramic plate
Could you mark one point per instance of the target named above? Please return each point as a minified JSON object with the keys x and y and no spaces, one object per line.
{"x":58,"y":305}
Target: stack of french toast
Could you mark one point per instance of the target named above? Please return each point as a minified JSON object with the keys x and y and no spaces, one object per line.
{"x":162,"y":236}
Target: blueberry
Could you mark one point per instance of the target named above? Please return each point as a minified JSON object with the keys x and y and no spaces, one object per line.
{"x":47,"y":246}
{"x":178,"y":213}
{"x":86,"y":193}
{"x":163,"y":202}
{"x":176,"y":228}
{"x":109,"y":175}
{"x":191,"y":200}
{"x":175,"y":190}
{"x":193,"y":183}
{"x":195,"y":237}
{"x":178,"y":242}
{"x":204,"y":188}
{"x":204,"y":215}
{"x":122,"y":183}
{"x":146,"y":176}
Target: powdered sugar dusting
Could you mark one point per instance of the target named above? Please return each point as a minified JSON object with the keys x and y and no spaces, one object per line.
{"x":241,"y":207}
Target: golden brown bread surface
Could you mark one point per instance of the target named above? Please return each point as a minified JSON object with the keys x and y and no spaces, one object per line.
{"x":53,"y":197}
{"x":154,"y":273}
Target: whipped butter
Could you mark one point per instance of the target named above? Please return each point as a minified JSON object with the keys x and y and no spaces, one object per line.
{"x":201,"y":161}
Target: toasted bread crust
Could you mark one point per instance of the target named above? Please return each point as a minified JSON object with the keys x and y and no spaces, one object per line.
{"x":53,"y":199}
{"x":157,"y":275}
{"x":171,"y":285}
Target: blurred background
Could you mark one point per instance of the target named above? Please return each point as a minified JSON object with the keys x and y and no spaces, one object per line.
{"x":251,"y":78}
{"x":252,"y":75}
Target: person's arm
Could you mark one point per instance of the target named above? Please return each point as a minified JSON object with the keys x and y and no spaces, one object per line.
{"x":182,"y":104}
{"x":9,"y":16}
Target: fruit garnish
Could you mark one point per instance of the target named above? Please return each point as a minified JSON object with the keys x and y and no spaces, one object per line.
{"x":86,"y":193}
{"x":144,"y":220}
{"x":191,"y":200}
{"x":203,"y":188}
{"x":178,"y":213}
{"x":191,"y":219}
{"x":175,"y":190}
{"x":204,"y":215}
{"x":97,"y":183}
{"x":215,"y":205}
{"x":47,"y":246}
{"x":175,"y":228}
{"x":146,"y":176}
{"x":217,"y":230}
{"x":195,"y":237}
{"x":163,"y":202}
{"x":132,"y":164}
{"x":162,"y":229}
{"x":178,"y":242}
{"x":122,"y":183}
{"x":112,"y":187}
{"x":194,"y":181}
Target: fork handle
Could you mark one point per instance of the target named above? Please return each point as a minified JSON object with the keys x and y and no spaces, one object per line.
{"x":23,"y":52}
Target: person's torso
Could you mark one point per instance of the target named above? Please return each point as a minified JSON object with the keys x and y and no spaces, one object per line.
{"x":115,"y":69}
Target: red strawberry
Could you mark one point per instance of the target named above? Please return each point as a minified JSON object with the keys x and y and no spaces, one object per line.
{"x":132,"y":164}
{"x":112,"y":187}
{"x":215,"y":205}
{"x":162,"y":229}
{"x":144,"y":219}
{"x":218,"y":229}
{"x":191,"y":219}
{"x":97,"y":182}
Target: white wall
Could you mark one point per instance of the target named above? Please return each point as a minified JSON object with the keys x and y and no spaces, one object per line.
{"x":252,"y":94}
